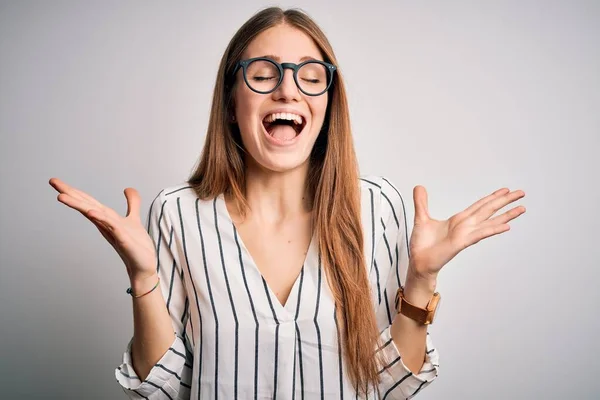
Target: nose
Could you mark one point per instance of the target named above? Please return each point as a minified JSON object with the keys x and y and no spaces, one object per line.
{"x":287,"y":91}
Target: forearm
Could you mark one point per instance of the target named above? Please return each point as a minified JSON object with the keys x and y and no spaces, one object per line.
{"x":410,"y":336}
{"x":152,"y":328}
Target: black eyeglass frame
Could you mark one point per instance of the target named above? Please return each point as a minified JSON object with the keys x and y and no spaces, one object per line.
{"x":282,"y":66}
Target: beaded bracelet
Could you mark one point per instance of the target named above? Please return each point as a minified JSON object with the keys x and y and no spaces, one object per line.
{"x":130,"y":291}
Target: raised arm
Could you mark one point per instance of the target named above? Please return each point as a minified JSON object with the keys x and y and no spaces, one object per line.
{"x":157,"y":363}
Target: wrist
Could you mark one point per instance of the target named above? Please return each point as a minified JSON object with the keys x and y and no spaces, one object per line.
{"x":419,"y":276}
{"x":419,"y":288}
{"x":141,"y":285}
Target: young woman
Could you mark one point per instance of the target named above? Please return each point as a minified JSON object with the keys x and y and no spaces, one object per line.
{"x":278,"y":269}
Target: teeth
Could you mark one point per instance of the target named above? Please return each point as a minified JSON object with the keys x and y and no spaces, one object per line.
{"x":287,"y":116}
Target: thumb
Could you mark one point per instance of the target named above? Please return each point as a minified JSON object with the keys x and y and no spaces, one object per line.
{"x":421,"y":207}
{"x":133,"y":202}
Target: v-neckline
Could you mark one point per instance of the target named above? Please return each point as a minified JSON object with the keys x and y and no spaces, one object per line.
{"x":273,"y":299}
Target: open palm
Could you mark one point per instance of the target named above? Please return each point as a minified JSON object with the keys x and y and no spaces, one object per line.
{"x":433,"y":242}
{"x":126,"y":234}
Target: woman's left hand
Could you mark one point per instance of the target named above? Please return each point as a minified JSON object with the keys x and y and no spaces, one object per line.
{"x":433,"y":243}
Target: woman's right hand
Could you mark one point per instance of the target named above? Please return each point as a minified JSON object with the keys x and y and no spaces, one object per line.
{"x":126,"y":234}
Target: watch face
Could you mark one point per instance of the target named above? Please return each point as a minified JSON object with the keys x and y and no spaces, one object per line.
{"x":432,"y":308}
{"x":437,"y":308}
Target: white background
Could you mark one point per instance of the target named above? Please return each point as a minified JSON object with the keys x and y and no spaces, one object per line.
{"x":463,"y":97}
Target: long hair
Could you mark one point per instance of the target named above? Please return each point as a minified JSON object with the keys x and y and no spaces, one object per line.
{"x":332,"y":182}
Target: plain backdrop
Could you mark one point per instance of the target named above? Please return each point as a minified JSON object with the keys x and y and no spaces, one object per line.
{"x":463,"y":97}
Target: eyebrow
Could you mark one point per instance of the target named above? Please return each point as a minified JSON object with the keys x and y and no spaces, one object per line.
{"x":278,"y":59}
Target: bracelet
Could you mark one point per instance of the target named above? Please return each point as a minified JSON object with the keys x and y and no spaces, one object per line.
{"x":130,"y":291}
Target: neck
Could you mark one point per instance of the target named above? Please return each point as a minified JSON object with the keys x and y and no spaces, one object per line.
{"x":276,"y":197}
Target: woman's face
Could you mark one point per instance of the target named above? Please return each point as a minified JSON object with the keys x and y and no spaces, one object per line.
{"x":279,"y":145}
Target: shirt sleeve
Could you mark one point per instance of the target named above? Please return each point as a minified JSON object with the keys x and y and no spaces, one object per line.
{"x":170,"y":377}
{"x":390,"y":260}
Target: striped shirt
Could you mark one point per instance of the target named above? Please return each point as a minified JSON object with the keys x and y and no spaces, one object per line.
{"x":234,"y":338}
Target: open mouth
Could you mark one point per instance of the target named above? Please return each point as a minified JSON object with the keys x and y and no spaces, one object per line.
{"x":284,"y":126}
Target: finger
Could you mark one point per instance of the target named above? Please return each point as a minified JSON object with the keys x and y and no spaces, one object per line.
{"x":505,"y":217}
{"x":56,"y":183}
{"x":63,"y":187}
{"x":486,"y":232}
{"x":80,"y":205}
{"x":475,"y":206}
{"x":90,"y":213}
{"x":133,"y":202}
{"x":421,"y":203}
{"x":490,"y":208}
{"x":88,"y":198}
{"x":76,"y":201}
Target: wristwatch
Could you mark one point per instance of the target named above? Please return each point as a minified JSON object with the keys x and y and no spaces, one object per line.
{"x":425,"y":315}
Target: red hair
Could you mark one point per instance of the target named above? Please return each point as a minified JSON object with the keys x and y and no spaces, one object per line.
{"x":333,"y":184}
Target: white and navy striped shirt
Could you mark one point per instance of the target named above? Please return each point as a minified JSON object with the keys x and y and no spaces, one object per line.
{"x":235,"y":340}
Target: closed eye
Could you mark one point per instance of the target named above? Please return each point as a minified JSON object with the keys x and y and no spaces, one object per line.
{"x":314,"y":81}
{"x":263,"y":78}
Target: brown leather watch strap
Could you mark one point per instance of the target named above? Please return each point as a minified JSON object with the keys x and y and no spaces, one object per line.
{"x":421,"y":315}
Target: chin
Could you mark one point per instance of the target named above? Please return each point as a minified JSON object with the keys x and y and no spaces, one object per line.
{"x":282,"y":163}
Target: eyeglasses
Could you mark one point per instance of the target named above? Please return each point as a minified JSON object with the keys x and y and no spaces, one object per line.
{"x":264,"y":75}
